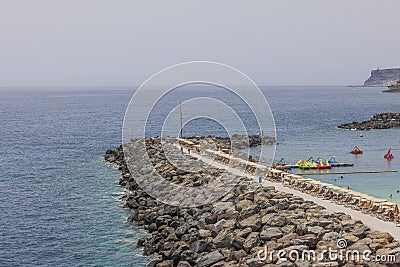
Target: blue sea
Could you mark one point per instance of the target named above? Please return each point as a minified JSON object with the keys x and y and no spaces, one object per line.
{"x":59,"y":201}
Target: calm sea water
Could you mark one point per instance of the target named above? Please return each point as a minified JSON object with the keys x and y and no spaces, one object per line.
{"x":59,"y":201}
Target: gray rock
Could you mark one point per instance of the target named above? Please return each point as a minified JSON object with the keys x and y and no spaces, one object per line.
{"x":201,"y":246}
{"x":254,"y":222}
{"x":184,"y":264}
{"x":209,"y":259}
{"x":223,"y":239}
{"x":165,"y":263}
{"x":277,"y":221}
{"x":223,"y":207}
{"x":314,"y":229}
{"x":331,"y":236}
{"x":251,"y":241}
{"x":238,"y":255}
{"x":324,"y":223}
{"x":254,"y":262}
{"x":270,"y":233}
{"x":218,"y":226}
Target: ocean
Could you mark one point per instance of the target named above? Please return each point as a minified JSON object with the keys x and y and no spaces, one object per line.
{"x":59,"y":201}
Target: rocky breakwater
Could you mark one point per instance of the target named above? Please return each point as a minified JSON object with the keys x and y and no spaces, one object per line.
{"x":377,"y":121}
{"x":242,"y":141}
{"x":235,"y":229}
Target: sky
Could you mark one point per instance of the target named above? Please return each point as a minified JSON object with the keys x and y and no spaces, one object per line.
{"x":123,"y":42}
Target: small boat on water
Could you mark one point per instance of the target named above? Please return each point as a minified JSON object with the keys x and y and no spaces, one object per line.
{"x":303,"y":164}
{"x":388,"y":154}
{"x":321,"y":165}
{"x":356,"y":150}
{"x":312,"y":163}
{"x":332,"y":160}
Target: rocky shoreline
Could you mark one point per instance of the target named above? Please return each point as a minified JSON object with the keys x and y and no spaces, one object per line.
{"x":231,"y":231}
{"x":377,"y":121}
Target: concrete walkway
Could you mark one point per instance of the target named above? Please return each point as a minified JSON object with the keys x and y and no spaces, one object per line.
{"x":370,"y":221}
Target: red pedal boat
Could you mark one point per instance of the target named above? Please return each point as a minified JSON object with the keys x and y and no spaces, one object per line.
{"x":388,"y":154}
{"x":356,"y":150}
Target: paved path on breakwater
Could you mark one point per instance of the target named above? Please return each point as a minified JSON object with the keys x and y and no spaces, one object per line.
{"x":368,"y":220}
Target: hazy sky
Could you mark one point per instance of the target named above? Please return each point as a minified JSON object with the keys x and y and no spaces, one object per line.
{"x":282,"y":42}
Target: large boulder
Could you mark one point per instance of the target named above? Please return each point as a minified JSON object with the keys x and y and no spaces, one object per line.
{"x":254,"y":222}
{"x":251,"y":241}
{"x":209,"y":259}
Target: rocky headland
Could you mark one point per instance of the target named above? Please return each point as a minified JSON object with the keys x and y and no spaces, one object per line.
{"x":234,"y":229}
{"x":377,"y":121}
{"x":383,"y":77}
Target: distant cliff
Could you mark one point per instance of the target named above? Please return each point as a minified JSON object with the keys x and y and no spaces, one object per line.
{"x":383,"y":77}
